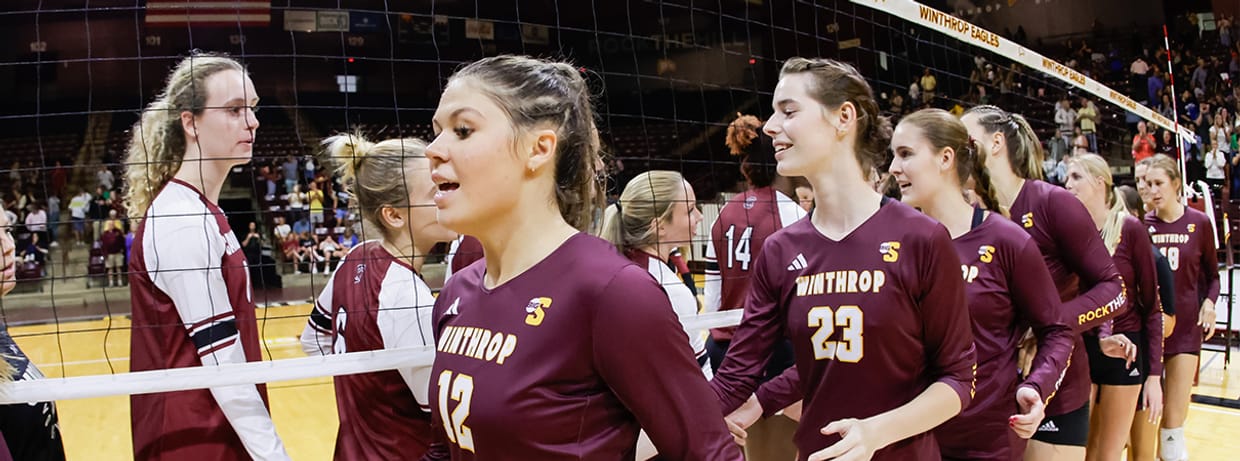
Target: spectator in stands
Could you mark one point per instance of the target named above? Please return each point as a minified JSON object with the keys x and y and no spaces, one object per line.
{"x":1143,"y":143}
{"x":60,"y":176}
{"x":113,"y":240}
{"x":914,"y":94}
{"x":290,"y":170}
{"x":1216,"y":162}
{"x":348,"y":239}
{"x":78,"y":207}
{"x":1088,"y":118}
{"x":1154,"y":86}
{"x":308,"y":162}
{"x":33,"y":251}
{"x":301,"y":225}
{"x":281,"y":229}
{"x":1220,"y":131}
{"x":104,"y":178}
{"x":309,"y":252}
{"x":1166,"y":145}
{"x":252,"y":245}
{"x":928,"y":86}
{"x":36,"y":221}
{"x":1065,"y":118}
{"x":1165,"y":106}
{"x":297,"y":203}
{"x":315,"y":199}
{"x":1200,"y":75}
{"x":332,"y":254}
{"x":99,"y":206}
{"x":290,"y":246}
{"x":53,"y":219}
{"x":1139,"y":67}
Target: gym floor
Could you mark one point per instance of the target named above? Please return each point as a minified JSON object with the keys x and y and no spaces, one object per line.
{"x":305,"y":411}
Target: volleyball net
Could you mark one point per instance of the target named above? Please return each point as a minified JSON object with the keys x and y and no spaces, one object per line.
{"x":669,"y":77}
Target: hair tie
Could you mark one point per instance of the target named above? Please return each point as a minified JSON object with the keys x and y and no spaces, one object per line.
{"x":619,"y":209}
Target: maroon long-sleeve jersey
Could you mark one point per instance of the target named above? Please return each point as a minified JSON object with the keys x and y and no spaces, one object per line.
{"x":1189,"y":247}
{"x":1008,"y":287}
{"x":875,"y":318}
{"x":1134,"y":258}
{"x":1088,"y":283}
{"x":568,"y":361}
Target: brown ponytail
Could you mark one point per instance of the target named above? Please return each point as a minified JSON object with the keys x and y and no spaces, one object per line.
{"x":1024,"y":151}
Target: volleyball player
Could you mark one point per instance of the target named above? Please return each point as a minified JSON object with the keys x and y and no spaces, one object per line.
{"x":1143,"y":437}
{"x":556,"y":328}
{"x":1009,"y":288}
{"x":868,"y":289}
{"x":736,"y":240}
{"x":27,"y":431}
{"x":657,"y":212}
{"x":1184,"y":236}
{"x":377,"y":299}
{"x":188,"y":279}
{"x":1118,"y":380}
{"x":1084,"y":274}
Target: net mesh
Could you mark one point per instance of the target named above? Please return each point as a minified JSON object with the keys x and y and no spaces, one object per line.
{"x":669,"y":76}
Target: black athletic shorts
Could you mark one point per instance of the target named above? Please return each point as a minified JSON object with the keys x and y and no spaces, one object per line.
{"x":1112,"y":371}
{"x":1070,"y":428}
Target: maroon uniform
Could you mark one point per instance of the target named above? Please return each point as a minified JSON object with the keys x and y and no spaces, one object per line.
{"x":569,"y":360}
{"x":1189,"y":247}
{"x":192,"y":306}
{"x":744,"y":223}
{"x":874,"y":319}
{"x":1077,"y":258}
{"x":1008,"y":289}
{"x":1134,"y":258}
{"x":374,"y":302}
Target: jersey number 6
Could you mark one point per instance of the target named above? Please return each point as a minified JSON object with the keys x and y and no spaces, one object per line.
{"x":850,"y":347}
{"x":461,"y":390}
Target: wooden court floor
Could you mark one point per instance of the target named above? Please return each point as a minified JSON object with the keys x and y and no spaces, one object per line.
{"x":305,"y":411}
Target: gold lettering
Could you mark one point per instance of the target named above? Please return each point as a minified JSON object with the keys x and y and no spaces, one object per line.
{"x":510,"y":345}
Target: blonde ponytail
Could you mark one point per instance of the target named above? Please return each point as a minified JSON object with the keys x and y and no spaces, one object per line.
{"x":376,"y":174}
{"x":348,"y":151}
{"x":1113,"y":227}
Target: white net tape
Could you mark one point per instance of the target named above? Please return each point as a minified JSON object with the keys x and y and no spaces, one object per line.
{"x":180,"y":379}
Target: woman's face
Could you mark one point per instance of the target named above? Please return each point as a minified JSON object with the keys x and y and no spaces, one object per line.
{"x":1163,"y":191}
{"x":682,"y":222}
{"x":473,"y":159}
{"x":799,"y":129}
{"x":225,"y":128}
{"x":919,"y":168}
{"x":1090,"y":190}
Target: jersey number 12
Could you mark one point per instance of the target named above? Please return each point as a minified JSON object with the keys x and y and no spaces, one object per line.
{"x":460,"y":389}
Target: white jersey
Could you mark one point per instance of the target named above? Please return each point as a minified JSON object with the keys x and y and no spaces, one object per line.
{"x":683,"y":301}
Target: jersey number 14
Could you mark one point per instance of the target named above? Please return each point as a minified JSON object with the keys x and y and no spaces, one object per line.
{"x":738,"y":249}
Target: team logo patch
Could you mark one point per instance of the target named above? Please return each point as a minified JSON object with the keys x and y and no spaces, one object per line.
{"x":750,"y":201}
{"x":890,"y":251}
{"x":1192,"y":228}
{"x":357,"y":274}
{"x":1027,"y":220}
{"x":536,"y":311}
{"x":986,"y":253}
